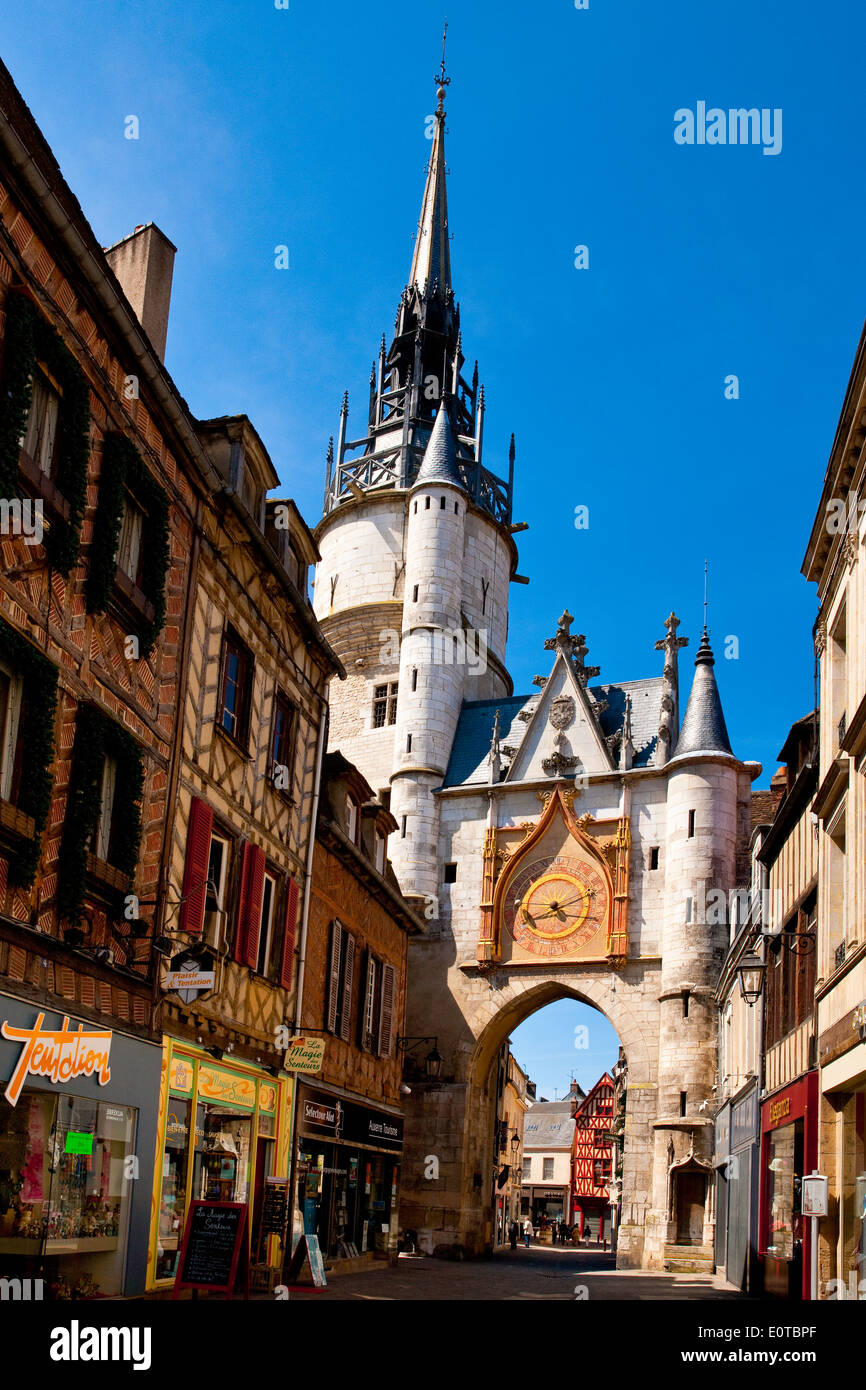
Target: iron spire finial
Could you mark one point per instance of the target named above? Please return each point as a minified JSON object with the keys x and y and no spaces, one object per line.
{"x":705,"y":601}
{"x":439,"y":78}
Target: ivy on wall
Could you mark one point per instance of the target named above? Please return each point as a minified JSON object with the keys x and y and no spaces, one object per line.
{"x":123,"y":470}
{"x":30,"y":338}
{"x":38,"y":708}
{"x":96,"y":738}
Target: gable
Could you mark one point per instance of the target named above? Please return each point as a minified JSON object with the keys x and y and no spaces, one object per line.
{"x":563,"y":723}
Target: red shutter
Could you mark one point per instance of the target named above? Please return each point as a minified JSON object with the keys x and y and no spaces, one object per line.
{"x":334,"y":977}
{"x":348,"y":980}
{"x":255,"y":892}
{"x":386,"y":1013}
{"x":193,"y":893}
{"x":289,"y":930}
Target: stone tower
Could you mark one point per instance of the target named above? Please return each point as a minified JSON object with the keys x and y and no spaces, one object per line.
{"x":417,"y":550}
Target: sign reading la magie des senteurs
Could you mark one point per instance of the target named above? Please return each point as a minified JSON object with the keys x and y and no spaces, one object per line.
{"x":59,"y":1054}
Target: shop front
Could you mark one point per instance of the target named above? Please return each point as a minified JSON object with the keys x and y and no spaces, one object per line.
{"x":789,"y":1149}
{"x":223,"y":1131}
{"x":843,"y":1086}
{"x":347,"y":1173}
{"x":737,"y":1162}
{"x":78,"y":1120}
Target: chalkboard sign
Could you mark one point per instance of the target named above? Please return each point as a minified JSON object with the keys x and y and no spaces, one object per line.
{"x":275,"y":1208}
{"x":214,"y":1246}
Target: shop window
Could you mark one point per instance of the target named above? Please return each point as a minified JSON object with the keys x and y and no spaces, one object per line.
{"x":235,"y":687}
{"x":39,"y":439}
{"x":282,"y":743}
{"x":341,"y":974}
{"x":784,"y":1174}
{"x":11,"y":730}
{"x":547,"y":1170}
{"x":385,"y":704}
{"x":64,"y":1196}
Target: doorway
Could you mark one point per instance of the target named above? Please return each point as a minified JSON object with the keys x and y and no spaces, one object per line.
{"x":689,"y":1201}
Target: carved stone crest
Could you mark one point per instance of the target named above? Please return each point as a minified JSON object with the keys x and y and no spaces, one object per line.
{"x":562,"y":712}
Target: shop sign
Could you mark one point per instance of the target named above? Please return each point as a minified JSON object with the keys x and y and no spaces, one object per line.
{"x":323,"y":1114}
{"x":180,"y":1076}
{"x":61,"y":1055}
{"x":189,"y":979}
{"x":227,"y":1087}
{"x":304,"y":1054}
{"x":779,"y":1110}
{"x":78,"y":1142}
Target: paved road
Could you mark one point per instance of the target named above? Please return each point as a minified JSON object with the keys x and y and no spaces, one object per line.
{"x":540,"y":1273}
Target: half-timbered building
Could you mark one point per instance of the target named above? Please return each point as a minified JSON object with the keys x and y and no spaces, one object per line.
{"x":593,"y":1162}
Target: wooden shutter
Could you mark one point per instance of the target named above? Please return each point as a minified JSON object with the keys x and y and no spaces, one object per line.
{"x":386,"y":1011}
{"x":255,"y":893}
{"x":198,"y":837}
{"x":348,"y":981}
{"x":334,"y":977}
{"x":290,"y":926}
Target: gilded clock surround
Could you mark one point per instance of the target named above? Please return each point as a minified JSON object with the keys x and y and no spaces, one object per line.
{"x":571,"y":901}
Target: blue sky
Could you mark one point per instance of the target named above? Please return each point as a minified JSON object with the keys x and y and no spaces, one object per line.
{"x":564,"y":1040}
{"x":305,"y":127}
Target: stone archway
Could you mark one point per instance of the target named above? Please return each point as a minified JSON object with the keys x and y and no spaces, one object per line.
{"x":454,"y":1119}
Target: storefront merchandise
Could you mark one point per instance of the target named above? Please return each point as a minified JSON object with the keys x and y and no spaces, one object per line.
{"x":789,"y":1148}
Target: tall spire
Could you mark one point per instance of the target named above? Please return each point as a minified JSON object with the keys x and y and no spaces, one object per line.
{"x":431,"y":260}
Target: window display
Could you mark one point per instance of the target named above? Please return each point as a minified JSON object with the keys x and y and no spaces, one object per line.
{"x":783,"y":1188}
{"x":65,"y":1188}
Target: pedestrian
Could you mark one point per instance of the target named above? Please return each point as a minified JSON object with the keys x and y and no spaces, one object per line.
{"x":513,"y":1231}
{"x":527,"y":1232}
{"x":554,"y":1228}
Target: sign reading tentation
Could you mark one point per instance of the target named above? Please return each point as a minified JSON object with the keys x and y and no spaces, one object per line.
{"x":60,"y":1054}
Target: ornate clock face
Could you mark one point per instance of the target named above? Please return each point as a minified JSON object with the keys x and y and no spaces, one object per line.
{"x":556,"y":906}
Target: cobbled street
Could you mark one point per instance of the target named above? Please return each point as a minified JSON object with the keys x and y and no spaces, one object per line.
{"x":539,"y":1273}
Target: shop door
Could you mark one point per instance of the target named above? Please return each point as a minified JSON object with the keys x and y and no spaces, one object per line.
{"x":264,"y":1157}
{"x":691,"y":1190}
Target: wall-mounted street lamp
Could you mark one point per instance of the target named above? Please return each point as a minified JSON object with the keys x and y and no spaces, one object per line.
{"x":432,"y":1062}
{"x":515,"y":1142}
{"x":751,"y":971}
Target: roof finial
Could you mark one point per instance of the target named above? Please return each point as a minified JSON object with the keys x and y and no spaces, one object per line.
{"x":705,"y":633}
{"x":440,"y":79}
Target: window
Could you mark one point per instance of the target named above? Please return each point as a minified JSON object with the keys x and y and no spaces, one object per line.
{"x":408,"y":743}
{"x":450,"y":873}
{"x":414,"y":593}
{"x":527,"y":1169}
{"x":601,"y":1172}
{"x":11,"y":691}
{"x":441,"y":504}
{"x":547,"y":1170}
{"x":426,"y":504}
{"x":102,"y":838}
{"x":341,"y":975}
{"x":380,"y":851}
{"x":282,"y":743}
{"x":237,"y":680}
{"x":129,"y":550}
{"x":654,"y":857}
{"x":403,"y":820}
{"x":352,"y":819}
{"x":683,"y":1101}
{"x":266,"y":923}
{"x":691,"y":825}
{"x":385,"y":704}
{"x":39,"y":439}
{"x":217,"y":873}
{"x":371,"y":1003}
{"x":414,"y":678}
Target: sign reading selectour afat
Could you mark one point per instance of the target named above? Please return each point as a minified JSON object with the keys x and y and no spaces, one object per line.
{"x":60,"y":1054}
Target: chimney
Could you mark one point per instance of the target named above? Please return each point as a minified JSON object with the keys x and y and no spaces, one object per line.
{"x":143,"y":263}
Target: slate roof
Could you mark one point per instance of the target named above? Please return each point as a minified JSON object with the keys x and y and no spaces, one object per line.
{"x":469,"y":767}
{"x":548,"y":1125}
{"x":439,"y":464}
{"x":703,"y":729}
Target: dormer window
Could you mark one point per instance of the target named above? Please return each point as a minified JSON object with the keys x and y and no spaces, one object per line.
{"x":352,"y":819}
{"x":380,"y":851}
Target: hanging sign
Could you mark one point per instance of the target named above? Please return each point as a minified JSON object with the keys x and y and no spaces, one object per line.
{"x":214,"y":1248}
{"x":189,"y":979}
{"x":304,"y":1054}
{"x":59,"y":1054}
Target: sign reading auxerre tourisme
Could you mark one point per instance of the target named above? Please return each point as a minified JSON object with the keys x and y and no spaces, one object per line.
{"x":60,"y":1054}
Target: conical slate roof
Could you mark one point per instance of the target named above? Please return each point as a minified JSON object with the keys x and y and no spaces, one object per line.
{"x":439,"y":464}
{"x":703,"y":728}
